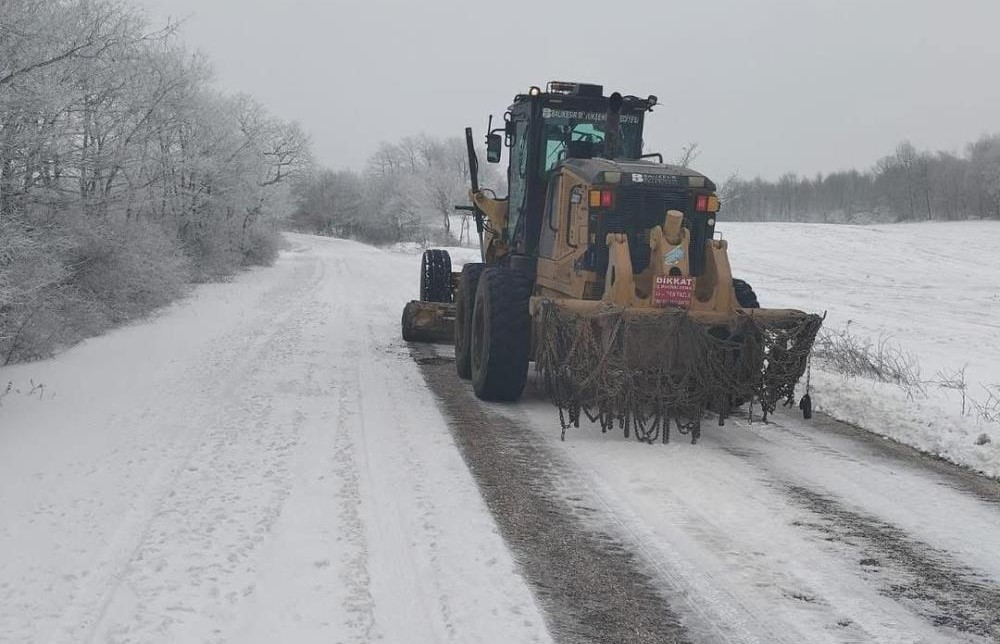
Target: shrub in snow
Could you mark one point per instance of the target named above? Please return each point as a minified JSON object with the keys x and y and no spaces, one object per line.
{"x":856,"y":356}
{"x":261,"y":246}
{"x":129,"y":269}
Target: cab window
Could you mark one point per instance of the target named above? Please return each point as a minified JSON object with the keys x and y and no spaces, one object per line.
{"x":568,"y":137}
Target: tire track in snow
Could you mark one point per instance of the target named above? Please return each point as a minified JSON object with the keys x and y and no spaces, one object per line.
{"x":955,"y":476}
{"x":197,"y":562}
{"x":593,"y":589}
{"x":94,"y":594}
{"x":395,"y":482}
{"x":358,"y":603}
{"x":392,"y":536}
{"x":696,"y":560}
{"x":251,"y":364}
{"x":430,"y":566}
{"x":719,"y":614}
{"x":931,"y":581}
{"x":427,"y":519}
{"x":946,"y":593}
{"x":929,"y":584}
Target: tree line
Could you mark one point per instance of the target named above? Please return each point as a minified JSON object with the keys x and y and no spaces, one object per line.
{"x":904,"y":186}
{"x":407,"y":190}
{"x":406,"y":193}
{"x":124,"y":174}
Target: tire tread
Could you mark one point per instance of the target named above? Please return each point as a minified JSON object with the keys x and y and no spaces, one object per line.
{"x":465,"y":300}
{"x":435,"y":276}
{"x":508,"y":334}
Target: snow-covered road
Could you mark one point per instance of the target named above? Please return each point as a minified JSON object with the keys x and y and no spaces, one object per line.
{"x":267,"y":461}
{"x":790,"y":532}
{"x":260,"y":464}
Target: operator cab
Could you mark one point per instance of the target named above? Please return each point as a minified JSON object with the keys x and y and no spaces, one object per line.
{"x":572,"y":129}
{"x":543,"y":129}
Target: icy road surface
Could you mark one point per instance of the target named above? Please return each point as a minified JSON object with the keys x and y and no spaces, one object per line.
{"x":267,"y":461}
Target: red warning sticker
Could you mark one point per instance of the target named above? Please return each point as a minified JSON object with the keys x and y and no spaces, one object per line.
{"x":673,"y":291}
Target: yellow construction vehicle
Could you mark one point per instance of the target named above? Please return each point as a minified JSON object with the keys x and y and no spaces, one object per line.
{"x":602,"y":265}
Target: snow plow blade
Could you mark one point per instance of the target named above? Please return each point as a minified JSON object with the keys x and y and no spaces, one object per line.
{"x":429,"y":322}
{"x":646,"y":369}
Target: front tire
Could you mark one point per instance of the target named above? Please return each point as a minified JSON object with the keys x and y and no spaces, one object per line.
{"x":465,"y":301}
{"x":501,"y":334}
{"x":435,"y":276}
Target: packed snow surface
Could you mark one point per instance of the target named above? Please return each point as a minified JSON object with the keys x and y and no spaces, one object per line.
{"x":263,"y":462}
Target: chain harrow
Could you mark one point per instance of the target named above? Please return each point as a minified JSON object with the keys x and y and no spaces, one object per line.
{"x":645,"y":373}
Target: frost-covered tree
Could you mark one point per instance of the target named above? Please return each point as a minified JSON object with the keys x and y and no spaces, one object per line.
{"x":123,"y":173}
{"x":409,"y":192}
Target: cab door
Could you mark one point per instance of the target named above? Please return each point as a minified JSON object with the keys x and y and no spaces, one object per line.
{"x":517,"y":176}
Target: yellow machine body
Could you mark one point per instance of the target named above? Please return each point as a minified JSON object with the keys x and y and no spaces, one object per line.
{"x":604,"y":268}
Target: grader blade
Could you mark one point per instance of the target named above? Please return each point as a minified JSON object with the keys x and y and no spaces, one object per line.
{"x":647,"y":369}
{"x":429,"y":322}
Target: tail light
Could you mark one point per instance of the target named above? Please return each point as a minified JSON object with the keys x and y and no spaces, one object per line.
{"x":706,"y":203}
{"x":604,"y":198}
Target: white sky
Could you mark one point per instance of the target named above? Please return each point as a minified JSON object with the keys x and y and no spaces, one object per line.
{"x":764,"y":86}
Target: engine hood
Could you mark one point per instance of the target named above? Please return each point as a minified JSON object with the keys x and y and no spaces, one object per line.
{"x":635,"y":171}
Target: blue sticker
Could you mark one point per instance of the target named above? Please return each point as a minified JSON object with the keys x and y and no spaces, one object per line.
{"x":674,"y":256}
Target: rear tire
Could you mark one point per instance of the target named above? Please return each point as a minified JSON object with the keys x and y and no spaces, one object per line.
{"x":745,"y":296}
{"x":465,"y":301}
{"x":409,"y":333}
{"x":501,"y":334}
{"x":435,"y":276}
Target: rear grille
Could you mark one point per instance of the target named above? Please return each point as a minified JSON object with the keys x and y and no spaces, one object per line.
{"x":644,"y":207}
{"x":637,"y":209}
{"x":615,"y":222}
{"x":647,"y":205}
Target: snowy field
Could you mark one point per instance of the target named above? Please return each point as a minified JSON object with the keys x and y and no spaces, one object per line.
{"x":263,"y":462}
{"x":930,"y":289}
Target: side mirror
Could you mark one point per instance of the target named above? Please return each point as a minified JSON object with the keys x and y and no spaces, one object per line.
{"x":494,"y":145}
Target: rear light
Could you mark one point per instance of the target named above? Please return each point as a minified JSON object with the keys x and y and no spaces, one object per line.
{"x":706,"y":203}
{"x":602,"y":198}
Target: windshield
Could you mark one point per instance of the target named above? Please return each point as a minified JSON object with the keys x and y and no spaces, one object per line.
{"x":580,"y":134}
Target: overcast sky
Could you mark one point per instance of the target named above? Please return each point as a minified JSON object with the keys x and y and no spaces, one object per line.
{"x":764,"y":86}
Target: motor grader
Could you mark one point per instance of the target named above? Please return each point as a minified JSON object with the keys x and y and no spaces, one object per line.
{"x":602,"y":265}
